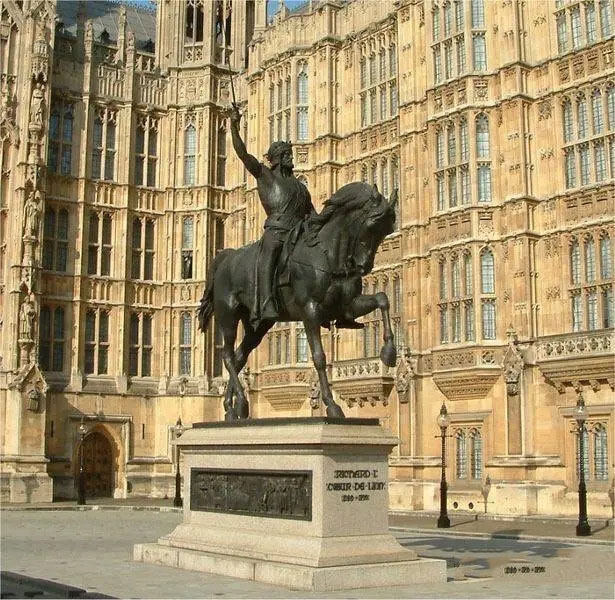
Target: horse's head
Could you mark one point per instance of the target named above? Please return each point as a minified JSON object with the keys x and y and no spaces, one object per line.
{"x":374,"y":221}
{"x":358,"y":216}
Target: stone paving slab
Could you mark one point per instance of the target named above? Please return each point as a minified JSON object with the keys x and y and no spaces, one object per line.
{"x":471,"y":524}
{"x":92,"y":550}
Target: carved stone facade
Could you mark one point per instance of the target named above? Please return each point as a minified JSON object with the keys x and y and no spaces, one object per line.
{"x":119,"y":184}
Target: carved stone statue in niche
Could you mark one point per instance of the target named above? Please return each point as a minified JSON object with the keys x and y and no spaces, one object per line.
{"x":27,"y":315}
{"x":406,"y":370}
{"x":314,"y":393}
{"x":37,"y":105}
{"x":32,"y":214}
{"x":34,"y":400}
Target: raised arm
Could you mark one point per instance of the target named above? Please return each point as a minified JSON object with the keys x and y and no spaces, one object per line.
{"x":250,"y":162}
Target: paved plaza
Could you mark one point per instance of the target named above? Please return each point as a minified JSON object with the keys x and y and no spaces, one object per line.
{"x":92,"y":550}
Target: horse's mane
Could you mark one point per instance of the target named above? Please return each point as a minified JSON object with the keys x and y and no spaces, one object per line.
{"x":349,"y":197}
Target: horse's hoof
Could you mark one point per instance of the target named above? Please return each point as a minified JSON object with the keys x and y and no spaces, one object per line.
{"x":333,"y":410}
{"x":229,"y":415}
{"x":242,"y":408}
{"x":388,"y":355}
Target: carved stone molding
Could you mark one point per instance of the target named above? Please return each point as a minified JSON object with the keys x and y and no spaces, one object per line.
{"x":467,"y":384}
{"x":577,"y":359}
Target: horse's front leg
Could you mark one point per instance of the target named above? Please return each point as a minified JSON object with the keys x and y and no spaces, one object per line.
{"x":363,"y":305}
{"x":312,"y":330}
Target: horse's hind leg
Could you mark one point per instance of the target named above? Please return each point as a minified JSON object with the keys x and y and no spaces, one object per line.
{"x":229,"y":335}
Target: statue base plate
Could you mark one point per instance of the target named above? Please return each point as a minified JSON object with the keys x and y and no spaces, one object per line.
{"x":301,"y":503}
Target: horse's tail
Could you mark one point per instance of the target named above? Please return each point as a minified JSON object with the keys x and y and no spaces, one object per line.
{"x":206,"y":308}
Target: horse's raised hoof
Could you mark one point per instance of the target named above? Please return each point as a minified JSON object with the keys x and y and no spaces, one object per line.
{"x":242,"y":408}
{"x":333,"y":410}
{"x":388,"y":355}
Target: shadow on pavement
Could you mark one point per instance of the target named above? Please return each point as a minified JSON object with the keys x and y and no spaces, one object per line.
{"x":15,"y":585}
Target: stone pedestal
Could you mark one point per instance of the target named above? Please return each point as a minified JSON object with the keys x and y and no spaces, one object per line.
{"x":301,"y":503}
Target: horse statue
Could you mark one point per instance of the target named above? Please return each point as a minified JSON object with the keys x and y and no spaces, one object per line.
{"x":323,"y":269}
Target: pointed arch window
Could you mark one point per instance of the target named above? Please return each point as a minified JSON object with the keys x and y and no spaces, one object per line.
{"x":590,"y":22}
{"x":51,"y":338}
{"x":194,"y":21}
{"x":562,"y":32}
{"x":567,"y":120}
{"x":569,"y":165}
{"x":185,"y":343}
{"x":487,"y":272}
{"x":99,"y":244}
{"x":302,"y":85}
{"x":140,"y":345}
{"x":452,"y":144}
{"x":461,"y":462}
{"x":575,"y":21}
{"x":575,"y":263}
{"x":436,"y":24}
{"x":96,"y":342}
{"x":221,"y":157}
{"x":590,"y":261}
{"x":190,"y":155}
{"x":606,"y":257}
{"x":478,"y":14}
{"x":577,"y":312}
{"x":482,"y":136}
{"x":610,"y":106}
{"x":187,"y":246}
{"x":606,"y":18}
{"x":597,"y":117}
{"x":60,"y":138}
{"x":468,"y":275}
{"x":476,"y":456}
{"x":443,"y":282}
{"x":302,"y":346}
{"x":55,"y":239}
{"x":440,"y":148}
{"x":464,"y":141}
{"x":384,"y":176}
{"x":582,"y":118}
{"x":601,"y":465}
{"x":456,"y":278}
{"x":479,"y":52}
{"x":392,"y":60}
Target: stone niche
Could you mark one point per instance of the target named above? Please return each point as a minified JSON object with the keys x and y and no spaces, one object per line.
{"x":301,"y":503}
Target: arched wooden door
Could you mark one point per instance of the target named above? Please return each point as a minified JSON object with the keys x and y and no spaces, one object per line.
{"x":98,"y":466}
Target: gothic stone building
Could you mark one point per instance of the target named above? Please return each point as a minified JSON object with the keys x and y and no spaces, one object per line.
{"x":496,"y":120}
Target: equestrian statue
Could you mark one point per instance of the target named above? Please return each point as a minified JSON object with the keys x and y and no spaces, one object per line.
{"x":306,"y":267}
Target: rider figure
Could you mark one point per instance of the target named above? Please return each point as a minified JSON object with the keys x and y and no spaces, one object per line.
{"x":286,"y":202}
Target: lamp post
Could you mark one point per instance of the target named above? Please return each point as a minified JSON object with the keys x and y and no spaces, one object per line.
{"x":81,"y":477}
{"x":444,"y":420}
{"x":177,"y":501}
{"x":580,"y":415}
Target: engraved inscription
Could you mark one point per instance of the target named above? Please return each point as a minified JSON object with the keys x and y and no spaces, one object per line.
{"x":278,"y":494}
{"x":350,"y":481}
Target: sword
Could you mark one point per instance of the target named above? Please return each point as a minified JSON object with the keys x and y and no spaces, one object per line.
{"x":232,"y":86}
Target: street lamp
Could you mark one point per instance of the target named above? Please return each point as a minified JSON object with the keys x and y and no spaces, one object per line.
{"x":580,"y":415}
{"x":179,"y":429}
{"x":81,"y":478}
{"x":444,"y":420}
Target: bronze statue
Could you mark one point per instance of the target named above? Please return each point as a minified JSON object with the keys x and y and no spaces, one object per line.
{"x":286,"y":202}
{"x":307,"y":267}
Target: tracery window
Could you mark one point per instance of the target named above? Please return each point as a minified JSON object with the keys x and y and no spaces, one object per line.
{"x":187,"y":246}
{"x":140,"y":345}
{"x":185,"y":343}
{"x":103,"y":141}
{"x":142,"y":266}
{"x":595,"y":452}
{"x":51,"y":338}
{"x":378,"y":83}
{"x":96,"y":342}
{"x":302,"y":103}
{"x":590,"y":157}
{"x":146,"y":151}
{"x":571,"y":34}
{"x":190,"y":155}
{"x":99,"y":243}
{"x":59,"y":156}
{"x":591,"y":278}
{"x":55,"y":239}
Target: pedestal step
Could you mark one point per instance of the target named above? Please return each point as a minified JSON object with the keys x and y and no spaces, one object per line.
{"x":299,"y":577}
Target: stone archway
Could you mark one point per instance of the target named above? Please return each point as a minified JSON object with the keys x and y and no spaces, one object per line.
{"x":98,"y":466}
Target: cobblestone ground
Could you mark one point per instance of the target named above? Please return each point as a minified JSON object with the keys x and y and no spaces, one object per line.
{"x":93,"y":550}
